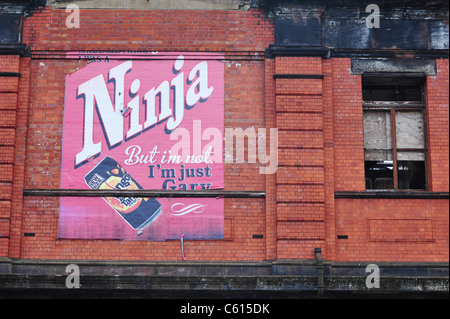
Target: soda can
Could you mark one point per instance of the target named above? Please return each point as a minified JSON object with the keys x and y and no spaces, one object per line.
{"x":137,"y":212}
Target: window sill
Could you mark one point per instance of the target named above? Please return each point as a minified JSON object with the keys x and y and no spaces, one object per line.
{"x":393,"y":195}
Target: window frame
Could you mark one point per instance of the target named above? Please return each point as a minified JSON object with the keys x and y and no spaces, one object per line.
{"x":401,"y":106}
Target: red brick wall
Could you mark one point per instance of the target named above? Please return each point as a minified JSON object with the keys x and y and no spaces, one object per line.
{"x":348,"y":127}
{"x":132,"y":30}
{"x":155,"y":31}
{"x":9,"y":88}
{"x":322,"y":151}
{"x":386,"y":229}
{"x":271,"y":180}
{"x":300,"y":177}
{"x":321,"y":146}
{"x":438,"y":124}
{"x":392,"y":230}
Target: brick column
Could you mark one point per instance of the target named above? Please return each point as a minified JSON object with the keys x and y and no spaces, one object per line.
{"x":271,"y":191}
{"x":9,"y":88}
{"x":300,"y":177}
{"x":438,"y":122}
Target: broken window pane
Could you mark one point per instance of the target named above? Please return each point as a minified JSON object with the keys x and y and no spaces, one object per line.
{"x":411,"y":175}
{"x":392,"y":88}
{"x":379,"y":175}
{"x":377,"y":131}
{"x":392,"y":93}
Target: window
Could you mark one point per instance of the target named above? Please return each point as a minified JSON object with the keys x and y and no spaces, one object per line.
{"x":394,"y":132}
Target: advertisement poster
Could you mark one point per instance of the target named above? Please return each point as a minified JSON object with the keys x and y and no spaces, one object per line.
{"x":143,"y":121}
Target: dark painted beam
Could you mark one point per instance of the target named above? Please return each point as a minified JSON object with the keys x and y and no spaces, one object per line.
{"x":10,"y":74}
{"x":392,"y":195}
{"x":14,"y":49}
{"x":299,"y":76}
{"x":143,"y":193}
{"x":315,"y":29}
{"x":428,"y":4}
{"x":298,"y":50}
{"x":328,"y":52}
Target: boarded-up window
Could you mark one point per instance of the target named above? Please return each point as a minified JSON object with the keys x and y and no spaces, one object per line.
{"x":378,"y":136}
{"x":394,"y":132}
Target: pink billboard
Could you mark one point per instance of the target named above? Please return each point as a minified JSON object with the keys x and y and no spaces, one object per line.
{"x":143,"y":121}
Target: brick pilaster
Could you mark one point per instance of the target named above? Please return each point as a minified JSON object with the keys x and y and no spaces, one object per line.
{"x":300,"y":177}
{"x":9,"y":88}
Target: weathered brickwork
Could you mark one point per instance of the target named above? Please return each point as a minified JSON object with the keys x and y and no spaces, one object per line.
{"x":392,"y":230}
{"x":315,"y":103}
{"x":9,"y":90}
{"x":438,"y":119}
